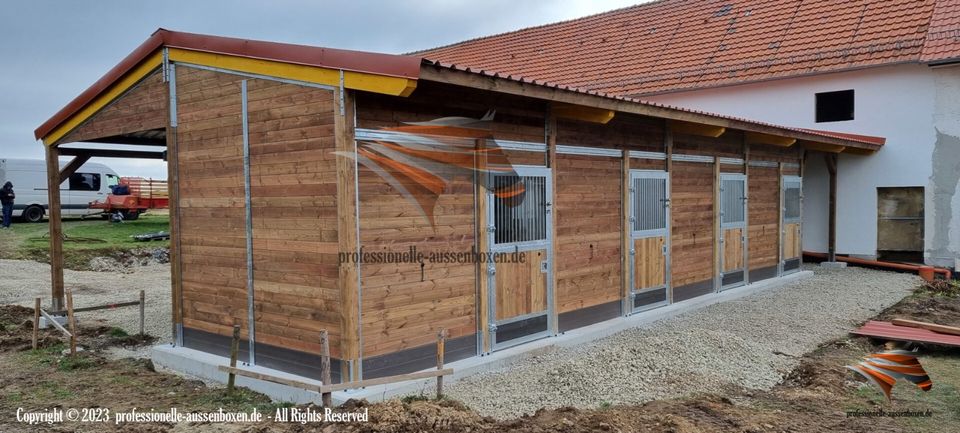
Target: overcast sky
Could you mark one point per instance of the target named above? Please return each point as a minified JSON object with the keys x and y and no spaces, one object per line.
{"x":53,"y":50}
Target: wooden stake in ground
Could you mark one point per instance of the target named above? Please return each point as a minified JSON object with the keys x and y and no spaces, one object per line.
{"x":142,"y":298}
{"x":327,"y":397}
{"x":234,"y":348}
{"x":36,"y":322}
{"x":441,"y":339}
{"x":72,"y":322}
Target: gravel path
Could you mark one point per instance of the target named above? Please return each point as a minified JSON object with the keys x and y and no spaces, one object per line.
{"x":750,"y":342}
{"x":21,"y":281}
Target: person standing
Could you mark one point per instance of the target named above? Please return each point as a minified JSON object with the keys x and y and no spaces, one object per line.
{"x":6,"y":199}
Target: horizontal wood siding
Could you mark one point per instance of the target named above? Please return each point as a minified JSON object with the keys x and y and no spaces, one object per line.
{"x":212,"y":224}
{"x":588,"y":219}
{"x":692,"y":236}
{"x":293,"y":190}
{"x":624,"y":131}
{"x":141,"y":108}
{"x":293,"y":187}
{"x":763,"y":212}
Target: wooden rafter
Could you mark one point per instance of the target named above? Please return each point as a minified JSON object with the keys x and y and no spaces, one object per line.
{"x":691,"y":128}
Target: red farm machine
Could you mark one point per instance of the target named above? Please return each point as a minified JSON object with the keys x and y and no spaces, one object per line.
{"x":133,"y":196}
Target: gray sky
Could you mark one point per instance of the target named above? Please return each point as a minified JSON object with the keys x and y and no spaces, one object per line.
{"x":53,"y":50}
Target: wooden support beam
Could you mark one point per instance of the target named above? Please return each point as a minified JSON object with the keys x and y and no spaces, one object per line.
{"x":780,"y":218}
{"x":690,"y":128}
{"x":234,"y":353}
{"x":822,"y":147}
{"x":173,"y":191}
{"x":769,"y":139}
{"x":326,"y":398}
{"x":72,"y":322}
{"x":746,"y":212}
{"x":552,"y":126}
{"x":111,"y":153}
{"x":56,"y":228}
{"x":668,"y":166}
{"x":348,"y":233}
{"x":831,"y":161}
{"x":582,"y":113}
{"x":72,"y":167}
{"x":441,"y":339}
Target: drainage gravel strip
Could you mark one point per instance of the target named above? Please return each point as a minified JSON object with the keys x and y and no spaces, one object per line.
{"x":751,"y":342}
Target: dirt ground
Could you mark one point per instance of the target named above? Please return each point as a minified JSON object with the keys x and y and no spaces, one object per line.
{"x":817,"y":396}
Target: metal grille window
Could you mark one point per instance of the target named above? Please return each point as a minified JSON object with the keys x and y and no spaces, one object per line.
{"x":791,"y":200}
{"x":649,"y":210}
{"x":731,"y":196}
{"x":520,"y":209}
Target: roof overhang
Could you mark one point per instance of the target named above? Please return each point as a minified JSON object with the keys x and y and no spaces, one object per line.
{"x":688,"y":121}
{"x":371,"y":72}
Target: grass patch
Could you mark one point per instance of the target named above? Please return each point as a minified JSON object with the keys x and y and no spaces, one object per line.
{"x":74,"y":362}
{"x":118,"y":333}
{"x":241,"y":399}
{"x":44,"y":356}
{"x":412,"y":398}
{"x":86,"y":239}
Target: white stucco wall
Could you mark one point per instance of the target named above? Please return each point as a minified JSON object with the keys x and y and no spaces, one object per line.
{"x":907,"y":104}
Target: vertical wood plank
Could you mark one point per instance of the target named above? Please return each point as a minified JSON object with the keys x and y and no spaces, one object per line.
{"x":717,"y":234}
{"x":71,"y":320}
{"x":668,"y":166}
{"x":326,"y":397}
{"x":36,"y":322}
{"x":441,"y":339}
{"x":234,"y":351}
{"x":746,"y":211}
{"x":347,"y":235}
{"x":56,"y":227}
{"x":173,"y":192}
{"x":780,"y":219}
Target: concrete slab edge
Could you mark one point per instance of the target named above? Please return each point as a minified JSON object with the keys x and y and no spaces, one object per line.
{"x":204,"y":365}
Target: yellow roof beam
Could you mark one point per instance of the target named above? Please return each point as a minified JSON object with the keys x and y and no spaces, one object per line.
{"x":395,"y":86}
{"x":690,"y":128}
{"x":768,"y":139}
{"x":583,"y":113}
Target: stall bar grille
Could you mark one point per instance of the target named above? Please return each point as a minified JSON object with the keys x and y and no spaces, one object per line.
{"x":731,"y":192}
{"x":791,"y":201}
{"x":649,"y":207}
{"x":519,"y":209}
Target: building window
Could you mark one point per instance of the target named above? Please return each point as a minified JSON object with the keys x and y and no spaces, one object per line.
{"x":835,"y":106}
{"x":85,"y":182}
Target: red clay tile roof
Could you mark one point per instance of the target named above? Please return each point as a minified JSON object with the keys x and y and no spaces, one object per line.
{"x":672,"y":45}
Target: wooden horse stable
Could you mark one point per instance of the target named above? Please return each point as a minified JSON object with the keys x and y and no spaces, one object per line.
{"x":285,"y":200}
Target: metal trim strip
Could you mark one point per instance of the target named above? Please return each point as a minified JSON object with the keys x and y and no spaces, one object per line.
{"x":588,"y":151}
{"x":641,"y":154}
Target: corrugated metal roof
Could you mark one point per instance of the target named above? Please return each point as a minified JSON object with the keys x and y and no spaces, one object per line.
{"x":673,"y":45}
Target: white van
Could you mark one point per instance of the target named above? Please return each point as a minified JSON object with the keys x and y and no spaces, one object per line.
{"x":90,"y":182}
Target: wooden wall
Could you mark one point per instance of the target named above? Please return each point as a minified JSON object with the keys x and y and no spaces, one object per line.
{"x":588,"y":231}
{"x":404,"y":304}
{"x":763,"y":214}
{"x":692,"y":234}
{"x":140,"y":108}
{"x":293,"y":186}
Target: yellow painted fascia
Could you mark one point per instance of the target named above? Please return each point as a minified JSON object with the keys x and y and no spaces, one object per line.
{"x":130,"y":79}
{"x":700,"y":129}
{"x":583,"y":113}
{"x":396,"y":86}
{"x":773,"y":140}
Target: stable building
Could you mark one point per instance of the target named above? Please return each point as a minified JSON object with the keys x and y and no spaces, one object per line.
{"x":319,"y":189}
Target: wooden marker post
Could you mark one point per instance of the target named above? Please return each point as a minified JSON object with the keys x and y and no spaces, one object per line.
{"x":72,"y":322}
{"x":327,"y":397}
{"x":36,"y":322}
{"x":234,"y":348}
{"x":441,"y":339}
{"x":142,"y":318}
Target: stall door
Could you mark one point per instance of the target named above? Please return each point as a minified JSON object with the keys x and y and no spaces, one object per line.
{"x":791,"y":245}
{"x":649,"y":227}
{"x":520,"y":236}
{"x":733,"y":230}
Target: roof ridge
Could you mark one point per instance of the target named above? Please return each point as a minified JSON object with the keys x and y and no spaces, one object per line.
{"x":540,"y":26}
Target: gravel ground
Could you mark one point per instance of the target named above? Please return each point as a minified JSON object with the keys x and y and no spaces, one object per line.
{"x":21,"y":281}
{"x":751,"y":342}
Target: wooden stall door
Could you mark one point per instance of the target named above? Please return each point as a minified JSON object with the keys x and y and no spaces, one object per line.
{"x":733,"y":223}
{"x":649,"y":227}
{"x":791,"y":241}
{"x":519,"y":283}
